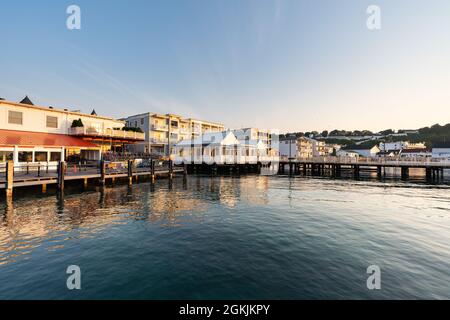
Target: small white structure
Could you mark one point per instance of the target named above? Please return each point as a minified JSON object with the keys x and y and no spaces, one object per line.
{"x":415,"y":153}
{"x":400,"y":145}
{"x":441,"y":150}
{"x":347,"y":153}
{"x":365,"y":152}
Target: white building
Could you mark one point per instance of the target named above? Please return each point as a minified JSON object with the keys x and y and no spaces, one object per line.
{"x":441,"y":150}
{"x":288,"y":148}
{"x":163,"y":131}
{"x":268,"y":137}
{"x":365,"y":152}
{"x":304,"y":147}
{"x":221,"y":148}
{"x":415,"y":153}
{"x":347,"y":153}
{"x":400,"y":145}
{"x":37,"y":134}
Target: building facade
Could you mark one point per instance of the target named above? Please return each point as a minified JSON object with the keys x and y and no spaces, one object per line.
{"x":441,"y":150}
{"x":222,"y":148}
{"x":266,"y":137}
{"x":164,"y":131}
{"x":30,"y":133}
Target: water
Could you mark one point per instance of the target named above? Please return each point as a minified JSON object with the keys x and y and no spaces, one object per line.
{"x":251,"y":237}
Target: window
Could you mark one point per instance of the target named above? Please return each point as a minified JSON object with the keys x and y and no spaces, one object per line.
{"x":142,"y":121}
{"x":14,"y":117}
{"x":135,"y":124}
{"x":174,"y":124}
{"x":40,"y":156}
{"x":52,"y":122}
{"x":55,"y":156}
{"x":6,"y":156}
{"x":25,"y":156}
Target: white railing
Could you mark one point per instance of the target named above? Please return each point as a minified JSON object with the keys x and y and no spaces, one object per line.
{"x":160,"y":127}
{"x":122,"y":134}
{"x":374,"y":161}
{"x":158,"y":140}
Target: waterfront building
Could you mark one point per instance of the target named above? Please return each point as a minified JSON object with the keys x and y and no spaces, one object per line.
{"x":365,"y":152}
{"x":441,"y":150}
{"x":31,"y":133}
{"x":221,"y":148}
{"x":400,"y":145}
{"x":288,"y":147}
{"x":265,"y":140}
{"x":304,"y":147}
{"x":164,"y":131}
{"x":415,"y":153}
{"x":347,"y":153}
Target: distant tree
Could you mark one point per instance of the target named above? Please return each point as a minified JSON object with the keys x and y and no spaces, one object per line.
{"x":334,"y":133}
{"x":387,"y":132}
{"x":324,"y":133}
{"x":77,"y":123}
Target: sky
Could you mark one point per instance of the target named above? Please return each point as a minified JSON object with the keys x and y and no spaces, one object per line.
{"x":291,"y":65}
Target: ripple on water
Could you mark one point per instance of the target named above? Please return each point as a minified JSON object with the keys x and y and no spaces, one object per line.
{"x":229,"y":238}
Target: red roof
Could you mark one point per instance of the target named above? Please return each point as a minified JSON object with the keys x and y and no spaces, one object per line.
{"x":26,"y":138}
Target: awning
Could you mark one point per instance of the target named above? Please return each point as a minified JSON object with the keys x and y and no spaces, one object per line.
{"x":31,"y":139}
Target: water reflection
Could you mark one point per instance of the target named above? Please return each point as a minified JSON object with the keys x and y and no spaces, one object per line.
{"x":230,"y":237}
{"x":29,"y":221}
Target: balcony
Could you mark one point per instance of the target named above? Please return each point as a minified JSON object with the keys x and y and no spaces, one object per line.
{"x":158,"y":140}
{"x":160,"y":127}
{"x":184,"y":131}
{"x":107,"y":133}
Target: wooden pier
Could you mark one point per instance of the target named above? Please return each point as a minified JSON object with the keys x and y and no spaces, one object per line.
{"x":434,"y":169}
{"x":12,"y":177}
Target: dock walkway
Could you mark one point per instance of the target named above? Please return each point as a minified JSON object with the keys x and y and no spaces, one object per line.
{"x":35,"y":175}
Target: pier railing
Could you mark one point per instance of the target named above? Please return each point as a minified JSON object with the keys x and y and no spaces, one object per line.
{"x":374,"y":161}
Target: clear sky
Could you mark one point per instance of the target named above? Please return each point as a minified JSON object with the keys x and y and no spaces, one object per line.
{"x":292,"y":65}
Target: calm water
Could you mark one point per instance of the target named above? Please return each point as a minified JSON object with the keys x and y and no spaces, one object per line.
{"x":230,"y":238}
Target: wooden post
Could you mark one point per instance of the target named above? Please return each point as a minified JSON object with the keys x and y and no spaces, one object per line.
{"x":61,"y":174}
{"x":405,"y":172}
{"x":185,"y":172}
{"x":170,"y":169}
{"x":102,"y":172}
{"x":379,"y":171}
{"x":428,"y":173}
{"x":356,"y":171}
{"x":152,"y":170}
{"x":44,"y":188}
{"x":130,"y":172}
{"x":9,"y":178}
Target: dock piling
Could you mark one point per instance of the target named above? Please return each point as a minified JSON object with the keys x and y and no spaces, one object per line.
{"x":9,"y":179}
{"x":61,"y":174}
{"x":102,"y":172}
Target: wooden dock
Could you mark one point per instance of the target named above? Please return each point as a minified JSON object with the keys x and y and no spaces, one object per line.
{"x":335,"y":165}
{"x":12,"y":177}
